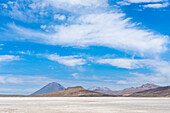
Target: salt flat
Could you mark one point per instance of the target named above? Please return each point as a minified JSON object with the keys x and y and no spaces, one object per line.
{"x":84,"y":105}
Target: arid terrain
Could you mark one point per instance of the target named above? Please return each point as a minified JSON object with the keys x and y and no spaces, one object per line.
{"x":130,"y":90}
{"x":84,"y":105}
{"x":73,"y":92}
{"x":157,"y":92}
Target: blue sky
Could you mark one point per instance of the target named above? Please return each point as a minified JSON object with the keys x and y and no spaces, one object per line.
{"x":109,"y":43}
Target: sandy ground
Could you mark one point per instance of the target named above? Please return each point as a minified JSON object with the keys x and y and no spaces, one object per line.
{"x":84,"y":105}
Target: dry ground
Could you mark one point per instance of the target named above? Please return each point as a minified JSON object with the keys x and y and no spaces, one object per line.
{"x":84,"y":105}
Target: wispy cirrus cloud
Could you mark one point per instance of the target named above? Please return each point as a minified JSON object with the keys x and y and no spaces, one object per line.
{"x":74,"y":60}
{"x":8,"y":58}
{"x":160,"y":74}
{"x":93,"y":23}
{"x":59,"y":17}
{"x":75,"y":75}
{"x":75,"y":5}
{"x":144,"y":1}
{"x":156,"y":5}
{"x":134,"y":63}
{"x":21,"y":79}
{"x":128,"y":2}
{"x":148,"y":3}
{"x":125,"y":63}
{"x":9,"y":79}
{"x":143,"y":78}
{"x":116,"y":33}
{"x":88,"y":23}
{"x":33,"y":10}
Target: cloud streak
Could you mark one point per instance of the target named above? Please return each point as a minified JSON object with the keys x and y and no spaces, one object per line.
{"x":8,"y":58}
{"x":156,"y":5}
{"x":74,"y":60}
{"x":149,"y":3}
{"x":103,"y":27}
{"x":161,"y":72}
{"x":126,"y":63}
{"x":144,"y":1}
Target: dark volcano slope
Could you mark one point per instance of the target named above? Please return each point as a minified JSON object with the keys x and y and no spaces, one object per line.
{"x":54,"y":86}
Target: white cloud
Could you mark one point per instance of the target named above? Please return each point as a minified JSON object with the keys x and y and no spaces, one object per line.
{"x":98,"y":26}
{"x":156,"y":5}
{"x":24,"y":32}
{"x":160,"y":74}
{"x":128,"y":63}
{"x":77,"y":2}
{"x":121,"y":63}
{"x":144,"y":1}
{"x":9,"y":79}
{"x":67,"y":60}
{"x":150,"y":3}
{"x":43,"y":26}
{"x":10,"y":2}
{"x":75,"y":5}
{"x":16,"y":90}
{"x":33,"y":10}
{"x":8,"y":58}
{"x":59,"y":17}
{"x":122,"y":3}
{"x":133,"y":63}
{"x":21,"y":79}
{"x":75,"y":75}
{"x":140,"y":78}
{"x":122,"y":82}
{"x":4,"y":5}
{"x":15,"y":12}
{"x":25,"y":53}
{"x":108,"y":30}
{"x":8,"y":89}
{"x":22,"y":84}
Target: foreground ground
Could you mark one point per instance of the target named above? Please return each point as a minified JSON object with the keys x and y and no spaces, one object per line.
{"x":84,"y":105}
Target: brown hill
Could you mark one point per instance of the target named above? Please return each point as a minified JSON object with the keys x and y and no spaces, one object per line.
{"x":73,"y":92}
{"x":158,"y":92}
{"x":131,"y":90}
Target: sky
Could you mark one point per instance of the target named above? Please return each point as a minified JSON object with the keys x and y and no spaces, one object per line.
{"x":106,"y":43}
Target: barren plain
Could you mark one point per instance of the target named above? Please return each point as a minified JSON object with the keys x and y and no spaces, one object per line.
{"x":84,"y":105}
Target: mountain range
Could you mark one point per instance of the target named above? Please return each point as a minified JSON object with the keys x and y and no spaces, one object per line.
{"x":73,"y":92}
{"x":55,"y":89}
{"x":99,"y":89}
{"x":157,"y":92}
{"x":130,"y":90}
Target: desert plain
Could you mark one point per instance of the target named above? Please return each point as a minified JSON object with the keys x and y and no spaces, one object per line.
{"x":84,"y":105}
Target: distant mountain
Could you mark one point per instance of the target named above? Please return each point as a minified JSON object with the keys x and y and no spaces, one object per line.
{"x":54,"y":86}
{"x":73,"y":92}
{"x":157,"y":92}
{"x":99,"y":89}
{"x":131,"y":90}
